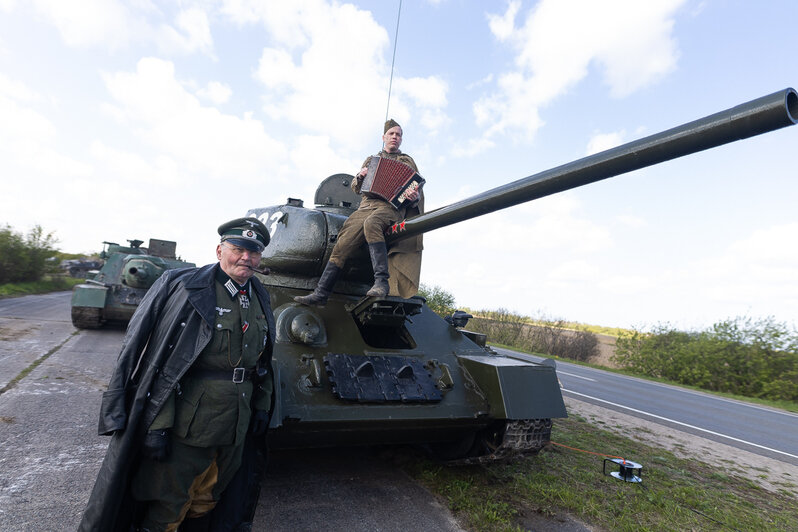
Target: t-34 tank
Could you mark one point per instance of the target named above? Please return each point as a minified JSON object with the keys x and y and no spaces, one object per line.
{"x":365,"y":370}
{"x":116,"y":290}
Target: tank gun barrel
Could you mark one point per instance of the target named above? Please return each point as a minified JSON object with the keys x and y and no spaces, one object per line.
{"x":758,"y":116}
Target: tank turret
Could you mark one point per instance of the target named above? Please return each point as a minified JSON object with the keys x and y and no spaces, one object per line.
{"x":389,"y":370}
{"x":141,"y":272}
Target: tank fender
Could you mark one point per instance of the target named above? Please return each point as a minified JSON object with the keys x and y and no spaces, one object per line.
{"x":516,"y":389}
{"x":89,"y":295}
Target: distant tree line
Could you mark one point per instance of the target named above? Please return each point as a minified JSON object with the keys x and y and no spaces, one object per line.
{"x":23,"y":257}
{"x":548,"y":337}
{"x":552,"y":337}
{"x":743,"y":356}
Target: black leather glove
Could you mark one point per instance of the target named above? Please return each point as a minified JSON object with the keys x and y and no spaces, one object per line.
{"x":260,"y":422}
{"x":157,"y":445}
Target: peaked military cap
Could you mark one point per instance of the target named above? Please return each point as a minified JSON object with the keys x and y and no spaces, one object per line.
{"x":248,"y":233}
{"x":389,"y":124}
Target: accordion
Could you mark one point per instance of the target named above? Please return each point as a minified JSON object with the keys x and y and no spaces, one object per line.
{"x":390,"y":180}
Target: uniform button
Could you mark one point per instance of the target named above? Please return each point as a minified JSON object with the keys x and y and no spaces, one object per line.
{"x":218,"y":325}
{"x":183,"y":324}
{"x":246,"y":345}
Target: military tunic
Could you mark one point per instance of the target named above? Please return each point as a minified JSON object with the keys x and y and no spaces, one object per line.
{"x":208,"y":415}
{"x":369,"y":222}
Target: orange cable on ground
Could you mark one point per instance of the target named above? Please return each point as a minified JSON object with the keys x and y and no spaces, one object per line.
{"x":588,"y":452}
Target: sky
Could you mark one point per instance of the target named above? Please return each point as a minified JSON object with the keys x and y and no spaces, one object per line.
{"x":148,"y":119}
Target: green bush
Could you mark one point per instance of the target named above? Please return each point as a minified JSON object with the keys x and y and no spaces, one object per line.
{"x":439,"y":300}
{"x":22,"y":257}
{"x":743,"y":356}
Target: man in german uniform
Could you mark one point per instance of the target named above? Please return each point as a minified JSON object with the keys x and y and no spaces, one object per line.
{"x":197,"y":356}
{"x":368,"y":224}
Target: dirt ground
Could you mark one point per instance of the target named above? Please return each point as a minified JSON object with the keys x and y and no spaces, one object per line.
{"x":771,"y":474}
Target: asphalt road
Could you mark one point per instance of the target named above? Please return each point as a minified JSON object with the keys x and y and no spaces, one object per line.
{"x":767,"y":432}
{"x":50,"y":452}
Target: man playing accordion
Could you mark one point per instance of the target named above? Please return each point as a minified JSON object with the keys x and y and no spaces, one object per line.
{"x":396,"y":272}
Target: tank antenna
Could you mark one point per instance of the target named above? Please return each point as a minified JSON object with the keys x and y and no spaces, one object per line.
{"x":393,"y":60}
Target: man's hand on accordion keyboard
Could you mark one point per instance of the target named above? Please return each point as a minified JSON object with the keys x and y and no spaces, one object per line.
{"x":412,"y":195}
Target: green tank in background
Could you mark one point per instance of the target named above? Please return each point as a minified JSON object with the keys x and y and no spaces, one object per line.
{"x":84,"y":267}
{"x":114,"y":292}
{"x":365,"y":370}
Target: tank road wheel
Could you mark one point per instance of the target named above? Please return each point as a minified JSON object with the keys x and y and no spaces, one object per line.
{"x":453,"y":450}
{"x":87,"y":317}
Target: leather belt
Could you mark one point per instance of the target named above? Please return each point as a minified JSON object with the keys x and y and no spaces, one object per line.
{"x":236,"y":375}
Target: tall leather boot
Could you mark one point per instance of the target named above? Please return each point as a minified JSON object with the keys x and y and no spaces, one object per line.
{"x":379,"y":261}
{"x":326,"y":282}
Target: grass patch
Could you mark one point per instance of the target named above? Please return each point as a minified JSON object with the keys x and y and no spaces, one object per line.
{"x":676,"y":494}
{"x":54,"y":283}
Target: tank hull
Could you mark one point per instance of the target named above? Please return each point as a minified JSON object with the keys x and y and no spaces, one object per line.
{"x":457,"y":390}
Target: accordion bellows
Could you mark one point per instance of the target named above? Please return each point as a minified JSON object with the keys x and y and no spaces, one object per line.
{"x":390,"y":180}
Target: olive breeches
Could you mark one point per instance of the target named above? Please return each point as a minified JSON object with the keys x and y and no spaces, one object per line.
{"x":368,"y":224}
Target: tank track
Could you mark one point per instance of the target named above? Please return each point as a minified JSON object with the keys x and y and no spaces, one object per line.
{"x":86,"y":317}
{"x":525,"y":436}
{"x":520,"y":437}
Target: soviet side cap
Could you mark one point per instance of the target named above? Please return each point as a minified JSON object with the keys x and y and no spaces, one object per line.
{"x":390,"y":124}
{"x":248,"y":233}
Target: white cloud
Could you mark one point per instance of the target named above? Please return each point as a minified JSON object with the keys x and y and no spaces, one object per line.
{"x":216,"y":92}
{"x":131,"y":167}
{"x":28,"y":138}
{"x":200,"y":139}
{"x":325,"y":71}
{"x":485,"y":80}
{"x":574,"y":270}
{"x":503,"y":26}
{"x":336,"y":82}
{"x":429,"y":95}
{"x":604,"y":141}
{"x":472,"y":147}
{"x":754,"y":276}
{"x":192,"y":34}
{"x":629,"y":40}
{"x":114,"y":24}
{"x":425,"y":92}
{"x":92,"y":22}
{"x":631,"y":221}
{"x":314,"y":155}
{"x":16,"y":89}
